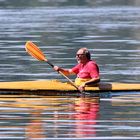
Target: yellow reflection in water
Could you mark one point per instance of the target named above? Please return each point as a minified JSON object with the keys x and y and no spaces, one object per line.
{"x":49,"y":117}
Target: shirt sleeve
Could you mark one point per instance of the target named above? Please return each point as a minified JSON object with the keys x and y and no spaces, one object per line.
{"x":75,"y":69}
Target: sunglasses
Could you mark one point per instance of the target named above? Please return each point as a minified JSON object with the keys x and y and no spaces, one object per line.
{"x":78,"y":55}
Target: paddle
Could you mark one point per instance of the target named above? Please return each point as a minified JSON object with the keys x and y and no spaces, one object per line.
{"x":35,"y":52}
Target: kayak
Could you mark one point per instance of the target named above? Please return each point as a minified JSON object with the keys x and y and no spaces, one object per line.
{"x":49,"y":86}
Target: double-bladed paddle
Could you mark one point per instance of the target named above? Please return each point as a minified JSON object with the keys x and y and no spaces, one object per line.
{"x":35,"y":52}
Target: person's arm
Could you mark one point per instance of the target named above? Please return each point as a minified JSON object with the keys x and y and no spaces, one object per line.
{"x":64,"y":71}
{"x":91,"y":81}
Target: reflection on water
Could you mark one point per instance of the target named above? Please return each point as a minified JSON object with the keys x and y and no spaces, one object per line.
{"x":48,"y":117}
{"x":61,"y":117}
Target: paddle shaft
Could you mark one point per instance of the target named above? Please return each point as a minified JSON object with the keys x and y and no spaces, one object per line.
{"x":63,"y":74}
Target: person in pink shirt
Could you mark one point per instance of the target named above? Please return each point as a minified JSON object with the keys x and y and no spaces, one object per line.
{"x":87,"y":70}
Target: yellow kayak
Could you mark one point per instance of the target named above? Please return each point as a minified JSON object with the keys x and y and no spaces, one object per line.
{"x":55,"y":85}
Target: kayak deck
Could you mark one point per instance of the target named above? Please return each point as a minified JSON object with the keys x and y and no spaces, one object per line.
{"x":57,"y":86}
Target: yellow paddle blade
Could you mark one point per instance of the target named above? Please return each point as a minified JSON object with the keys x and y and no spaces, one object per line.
{"x":34,"y":51}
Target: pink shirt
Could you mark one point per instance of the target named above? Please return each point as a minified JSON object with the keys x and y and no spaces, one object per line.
{"x":86,"y":71}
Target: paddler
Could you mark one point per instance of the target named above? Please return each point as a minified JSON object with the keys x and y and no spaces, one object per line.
{"x":87,"y":70}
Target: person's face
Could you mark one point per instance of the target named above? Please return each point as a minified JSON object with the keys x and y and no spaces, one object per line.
{"x":81,"y":57}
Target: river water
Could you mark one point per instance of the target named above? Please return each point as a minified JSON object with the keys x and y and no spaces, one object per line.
{"x":109,"y":29}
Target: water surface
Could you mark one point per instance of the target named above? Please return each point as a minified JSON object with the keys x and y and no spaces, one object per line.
{"x":109,"y":29}
{"x":70,"y":118}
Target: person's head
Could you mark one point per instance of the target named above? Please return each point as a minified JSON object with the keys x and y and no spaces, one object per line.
{"x":83,"y":55}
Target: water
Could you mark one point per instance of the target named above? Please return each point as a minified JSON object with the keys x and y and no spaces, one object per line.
{"x":109,"y":29}
{"x":70,"y":118}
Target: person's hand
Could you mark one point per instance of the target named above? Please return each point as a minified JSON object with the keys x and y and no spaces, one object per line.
{"x":56,"y":68}
{"x":82,"y":87}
